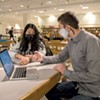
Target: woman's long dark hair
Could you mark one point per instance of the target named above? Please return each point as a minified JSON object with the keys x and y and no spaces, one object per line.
{"x":35,"y":43}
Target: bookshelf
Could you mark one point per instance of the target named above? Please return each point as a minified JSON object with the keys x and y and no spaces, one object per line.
{"x":15,"y":31}
{"x":93,"y":30}
{"x":51,"y":33}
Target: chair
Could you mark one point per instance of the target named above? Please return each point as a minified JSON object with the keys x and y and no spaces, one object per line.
{"x":56,"y":46}
{"x":5,"y":45}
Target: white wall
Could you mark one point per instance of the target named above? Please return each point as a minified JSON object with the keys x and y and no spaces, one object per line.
{"x":89,"y":19}
{"x":85,"y":20}
{"x":1,"y":28}
{"x":9,"y":20}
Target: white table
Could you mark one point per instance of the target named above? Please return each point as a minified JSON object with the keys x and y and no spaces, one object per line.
{"x":13,"y":90}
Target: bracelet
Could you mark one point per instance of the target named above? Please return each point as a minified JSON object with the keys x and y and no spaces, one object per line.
{"x":30,"y":60}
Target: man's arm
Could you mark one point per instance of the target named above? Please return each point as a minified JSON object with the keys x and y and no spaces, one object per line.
{"x":93,"y":64}
{"x":63,"y":56}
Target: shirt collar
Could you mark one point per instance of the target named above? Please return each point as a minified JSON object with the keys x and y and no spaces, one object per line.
{"x":79,"y":36}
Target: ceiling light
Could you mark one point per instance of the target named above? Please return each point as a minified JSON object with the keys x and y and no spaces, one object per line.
{"x":2,"y":0}
{"x":61,"y":9}
{"x":16,"y":12}
{"x":36,"y":16}
{"x":41,"y":11}
{"x":67,"y":1}
{"x":85,"y":7}
{"x":10,"y":9}
{"x":0,"y":9}
{"x":81,"y":5}
{"x":21,"y":6}
{"x":55,"y":8}
{"x":49,"y":2}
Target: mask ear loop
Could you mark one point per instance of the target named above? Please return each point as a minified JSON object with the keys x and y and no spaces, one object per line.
{"x":72,"y":31}
{"x":65,"y":27}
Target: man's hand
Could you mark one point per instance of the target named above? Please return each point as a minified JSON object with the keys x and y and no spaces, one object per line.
{"x":37,"y":56}
{"x":60,"y":67}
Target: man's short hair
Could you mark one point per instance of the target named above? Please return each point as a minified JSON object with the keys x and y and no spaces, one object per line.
{"x":69,"y":18}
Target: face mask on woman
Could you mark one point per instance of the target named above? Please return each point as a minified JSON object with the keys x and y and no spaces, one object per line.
{"x":63,"y":33}
{"x":29,"y":37}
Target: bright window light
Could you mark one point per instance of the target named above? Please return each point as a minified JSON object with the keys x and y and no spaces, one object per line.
{"x":51,"y":18}
{"x":90,"y":18}
{"x":17,"y":26}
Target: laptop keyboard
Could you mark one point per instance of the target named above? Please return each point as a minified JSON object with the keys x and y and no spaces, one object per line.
{"x":20,"y":72}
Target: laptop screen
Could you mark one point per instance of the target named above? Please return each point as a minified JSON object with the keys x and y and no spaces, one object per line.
{"x":6,"y":62}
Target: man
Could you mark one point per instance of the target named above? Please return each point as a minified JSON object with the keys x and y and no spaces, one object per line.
{"x":11,"y":34}
{"x":83,"y":49}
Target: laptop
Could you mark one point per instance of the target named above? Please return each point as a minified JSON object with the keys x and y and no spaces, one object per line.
{"x":16,"y":73}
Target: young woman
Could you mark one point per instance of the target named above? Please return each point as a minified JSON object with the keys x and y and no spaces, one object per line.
{"x":31,"y":41}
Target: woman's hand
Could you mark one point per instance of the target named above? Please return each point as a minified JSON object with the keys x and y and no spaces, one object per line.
{"x":24,"y":60}
{"x":19,"y":56}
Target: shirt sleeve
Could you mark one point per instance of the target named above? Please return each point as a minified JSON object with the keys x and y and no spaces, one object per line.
{"x":63,"y":56}
{"x":92,"y":74}
{"x":42,"y":49}
{"x":14,"y":49}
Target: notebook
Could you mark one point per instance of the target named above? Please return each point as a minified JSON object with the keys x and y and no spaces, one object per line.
{"x":16,"y":73}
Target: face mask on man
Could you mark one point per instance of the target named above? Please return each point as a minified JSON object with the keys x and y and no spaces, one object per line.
{"x":29,"y":37}
{"x":63,"y":33}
